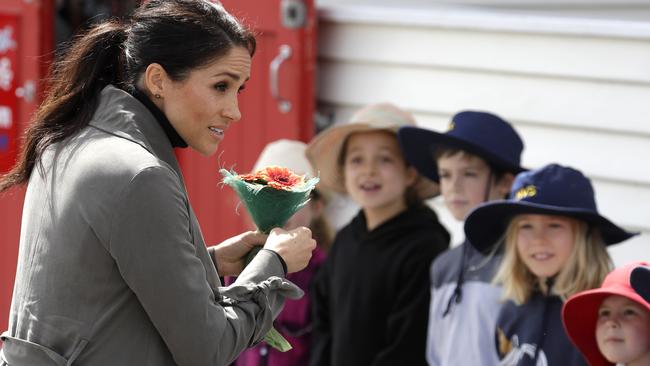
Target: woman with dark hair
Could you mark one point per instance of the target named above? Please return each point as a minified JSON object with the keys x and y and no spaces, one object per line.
{"x":112,"y":268}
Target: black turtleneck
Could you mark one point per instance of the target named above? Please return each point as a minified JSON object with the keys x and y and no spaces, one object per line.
{"x":173,"y":136}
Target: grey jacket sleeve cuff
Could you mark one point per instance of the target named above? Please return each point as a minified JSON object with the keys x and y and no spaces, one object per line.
{"x":263,"y":283}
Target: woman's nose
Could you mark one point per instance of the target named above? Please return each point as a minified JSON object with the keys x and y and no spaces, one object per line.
{"x":232,"y":112}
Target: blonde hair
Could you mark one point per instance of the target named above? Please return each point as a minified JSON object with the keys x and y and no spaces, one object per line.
{"x":585,"y":268}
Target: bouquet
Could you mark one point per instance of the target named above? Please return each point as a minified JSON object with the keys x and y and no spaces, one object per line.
{"x":271,"y":196}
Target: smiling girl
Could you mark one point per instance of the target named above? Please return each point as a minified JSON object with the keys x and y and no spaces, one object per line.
{"x":370,"y":306}
{"x":555,"y":243}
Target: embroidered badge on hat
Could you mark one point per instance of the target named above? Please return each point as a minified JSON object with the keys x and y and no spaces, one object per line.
{"x":527,"y":191}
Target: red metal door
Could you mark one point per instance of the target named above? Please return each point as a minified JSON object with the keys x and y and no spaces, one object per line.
{"x":278,"y":103}
{"x":22,"y":45}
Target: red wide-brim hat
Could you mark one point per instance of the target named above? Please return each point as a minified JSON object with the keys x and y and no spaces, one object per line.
{"x":580,"y":312}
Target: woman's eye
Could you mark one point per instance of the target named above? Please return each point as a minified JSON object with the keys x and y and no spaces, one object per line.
{"x":470,"y":174}
{"x":525,"y":225}
{"x":221,"y":87}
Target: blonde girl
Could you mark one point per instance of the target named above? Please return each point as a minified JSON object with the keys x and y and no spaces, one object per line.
{"x":555,"y":246}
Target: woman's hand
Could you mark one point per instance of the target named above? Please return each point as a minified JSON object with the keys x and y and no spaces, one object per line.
{"x":294,"y":246}
{"x":231,"y":253}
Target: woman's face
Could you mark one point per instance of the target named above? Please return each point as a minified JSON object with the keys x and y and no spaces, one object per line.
{"x":545,"y":243}
{"x":203,"y":105}
{"x":623,"y":331}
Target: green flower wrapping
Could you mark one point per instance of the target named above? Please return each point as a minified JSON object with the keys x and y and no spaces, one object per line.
{"x":271,"y":196}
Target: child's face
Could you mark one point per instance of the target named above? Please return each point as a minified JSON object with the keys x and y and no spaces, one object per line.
{"x":376,"y":176}
{"x":464,"y":179}
{"x":545,"y":242}
{"x":623,"y":331}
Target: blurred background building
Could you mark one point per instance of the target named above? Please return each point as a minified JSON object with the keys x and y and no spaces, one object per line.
{"x":572,"y":76}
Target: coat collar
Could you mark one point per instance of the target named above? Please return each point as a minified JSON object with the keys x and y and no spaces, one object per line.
{"x":122,"y":115}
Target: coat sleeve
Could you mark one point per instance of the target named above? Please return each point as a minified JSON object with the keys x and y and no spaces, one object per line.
{"x":406,"y":325}
{"x":321,"y":339}
{"x":152,"y":246}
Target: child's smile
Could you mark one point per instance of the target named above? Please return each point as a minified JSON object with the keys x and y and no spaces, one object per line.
{"x":544,"y":243}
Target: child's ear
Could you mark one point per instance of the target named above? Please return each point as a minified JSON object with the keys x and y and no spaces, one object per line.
{"x":504,"y":184}
{"x":411,"y":176}
{"x":317,"y":206}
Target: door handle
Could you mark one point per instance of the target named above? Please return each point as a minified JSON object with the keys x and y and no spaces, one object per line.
{"x":274,"y":74}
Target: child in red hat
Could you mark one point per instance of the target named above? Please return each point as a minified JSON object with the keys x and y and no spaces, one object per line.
{"x":610,"y":325}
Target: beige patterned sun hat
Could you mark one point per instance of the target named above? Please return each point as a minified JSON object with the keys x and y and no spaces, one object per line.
{"x":324,"y":150}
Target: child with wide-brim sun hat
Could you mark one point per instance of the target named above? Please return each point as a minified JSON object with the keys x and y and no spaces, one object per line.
{"x":475,"y":161}
{"x":370,"y":307}
{"x":554,"y":247}
{"x":611,"y":324}
{"x":295,"y":320}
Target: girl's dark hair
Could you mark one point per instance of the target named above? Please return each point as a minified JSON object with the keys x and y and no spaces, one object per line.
{"x":180,"y":35}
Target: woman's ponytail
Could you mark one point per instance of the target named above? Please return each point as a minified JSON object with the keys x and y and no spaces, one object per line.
{"x":93,"y":61}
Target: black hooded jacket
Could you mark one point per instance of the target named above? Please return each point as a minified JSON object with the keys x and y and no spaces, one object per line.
{"x":371,"y":297}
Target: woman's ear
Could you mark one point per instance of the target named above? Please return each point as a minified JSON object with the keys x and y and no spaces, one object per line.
{"x":155,"y":77}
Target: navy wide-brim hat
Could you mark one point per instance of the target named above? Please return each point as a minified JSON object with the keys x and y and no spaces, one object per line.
{"x":551,"y":190}
{"x":640,"y":281}
{"x":480,"y":133}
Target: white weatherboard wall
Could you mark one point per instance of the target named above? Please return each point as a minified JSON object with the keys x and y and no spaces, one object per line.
{"x":577,"y":88}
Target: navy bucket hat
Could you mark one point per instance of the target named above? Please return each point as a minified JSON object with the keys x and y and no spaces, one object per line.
{"x":480,"y":133}
{"x":640,"y":281}
{"x":551,"y":190}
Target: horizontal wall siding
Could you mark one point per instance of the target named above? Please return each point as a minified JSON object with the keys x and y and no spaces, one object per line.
{"x":579,"y":101}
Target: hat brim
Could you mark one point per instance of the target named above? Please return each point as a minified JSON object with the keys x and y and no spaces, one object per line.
{"x":419,"y":146}
{"x":640,"y":280}
{"x":324,"y":151}
{"x":486,"y":224}
{"x":580,"y":315}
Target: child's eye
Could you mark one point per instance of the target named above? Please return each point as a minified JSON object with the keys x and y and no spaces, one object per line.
{"x":354,"y":160}
{"x":444,"y":175}
{"x":525,"y":225}
{"x":629,"y":312}
{"x":470,"y":174}
{"x":603,"y":313}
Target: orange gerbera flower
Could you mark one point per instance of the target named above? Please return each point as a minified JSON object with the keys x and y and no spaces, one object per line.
{"x":280,"y":177}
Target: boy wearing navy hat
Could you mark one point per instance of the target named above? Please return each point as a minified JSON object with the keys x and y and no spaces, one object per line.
{"x":474,"y":161}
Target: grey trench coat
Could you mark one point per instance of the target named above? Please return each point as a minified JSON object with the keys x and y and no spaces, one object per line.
{"x":112,"y":267}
